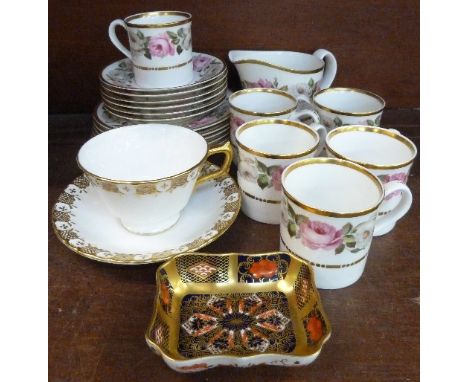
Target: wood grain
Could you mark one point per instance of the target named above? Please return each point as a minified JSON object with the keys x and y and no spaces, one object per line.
{"x":98,"y":313}
{"x":376,"y":42}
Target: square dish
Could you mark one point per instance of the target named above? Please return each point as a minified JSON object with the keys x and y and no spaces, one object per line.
{"x":236,"y":310}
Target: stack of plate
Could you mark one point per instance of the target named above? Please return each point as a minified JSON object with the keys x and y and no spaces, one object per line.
{"x":200,"y":105}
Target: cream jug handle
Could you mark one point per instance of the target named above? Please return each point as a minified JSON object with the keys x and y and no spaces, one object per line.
{"x":113,"y":37}
{"x":329,"y":72}
{"x":381,"y":226}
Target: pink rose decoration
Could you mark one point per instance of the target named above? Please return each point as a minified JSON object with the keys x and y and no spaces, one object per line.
{"x":236,"y":122}
{"x":161,"y":46}
{"x":200,"y":62}
{"x":276,"y":178}
{"x":318,"y":235}
{"x":264,"y":83}
{"x":399,"y":177}
{"x":202,"y":122}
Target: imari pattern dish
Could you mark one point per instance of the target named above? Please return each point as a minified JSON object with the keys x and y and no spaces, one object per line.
{"x":85,"y":226}
{"x":206,"y":70}
{"x":299,"y":74}
{"x":236,"y":310}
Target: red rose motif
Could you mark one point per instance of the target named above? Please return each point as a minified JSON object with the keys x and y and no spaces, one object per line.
{"x":314,"y":328}
{"x":319,"y":235}
{"x":263,"y":268}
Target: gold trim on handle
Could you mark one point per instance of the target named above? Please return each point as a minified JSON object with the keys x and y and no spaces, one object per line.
{"x":377,"y":130}
{"x":339,"y":162}
{"x":187,"y":19}
{"x":225,"y":149}
{"x":351,"y":90}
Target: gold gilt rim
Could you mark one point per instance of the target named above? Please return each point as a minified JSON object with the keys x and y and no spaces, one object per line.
{"x":135,"y":182}
{"x":262,"y":90}
{"x":188,"y":18}
{"x":339,"y":162}
{"x":280,"y":67}
{"x":377,"y":130}
{"x":287,"y":122}
{"x":317,"y":347}
{"x":152,"y":260}
{"x":355,"y":90}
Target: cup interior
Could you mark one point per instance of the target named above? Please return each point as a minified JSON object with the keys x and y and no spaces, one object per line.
{"x":286,"y":59}
{"x":349,"y":100}
{"x":277,"y":137}
{"x":142,"y":152}
{"x":262,"y":101}
{"x":156,"y":18}
{"x":376,"y":146}
{"x":331,"y":187}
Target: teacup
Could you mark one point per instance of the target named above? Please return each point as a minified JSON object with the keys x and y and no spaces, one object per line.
{"x":266,"y":147}
{"x":385,"y":153}
{"x":145,"y":174}
{"x":160,"y":47}
{"x":348,"y":106}
{"x":250,"y":104}
{"x":329,"y":209}
{"x":300,"y":74}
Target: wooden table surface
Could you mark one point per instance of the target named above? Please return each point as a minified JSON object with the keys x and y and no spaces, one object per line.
{"x":98,"y":313}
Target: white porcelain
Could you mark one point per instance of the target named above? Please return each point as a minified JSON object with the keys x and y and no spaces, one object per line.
{"x":251,"y":104}
{"x":348,"y":106}
{"x":145,"y":174}
{"x":385,"y":153}
{"x":160,"y":47}
{"x":300,"y":74}
{"x":265,"y":148}
{"x":86,"y":226}
{"x":329,"y":209}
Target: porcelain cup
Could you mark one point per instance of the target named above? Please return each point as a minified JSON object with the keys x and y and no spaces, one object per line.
{"x":328,"y":215}
{"x":266,"y":147}
{"x":160,"y":47}
{"x":251,"y":104}
{"x":145,"y":174}
{"x":348,"y":106}
{"x":300,"y":74}
{"x":385,"y":153}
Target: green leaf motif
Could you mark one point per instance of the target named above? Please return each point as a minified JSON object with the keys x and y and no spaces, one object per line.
{"x":301,"y":219}
{"x":172,"y":35}
{"x":140,"y":35}
{"x":292,"y":229}
{"x":339,"y":249}
{"x":338,"y":122}
{"x":284,"y":88}
{"x":272,"y":169}
{"x":356,"y":250}
{"x":275,"y":83}
{"x":311,"y":83}
{"x":180,"y":32}
{"x":147,"y":54}
{"x":347,"y":228}
{"x":291,"y":212}
{"x":262,"y":167}
{"x":370,"y":122}
{"x":263,"y":181}
{"x":179,"y":49}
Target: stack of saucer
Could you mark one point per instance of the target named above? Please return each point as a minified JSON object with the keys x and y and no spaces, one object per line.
{"x":200,"y":105}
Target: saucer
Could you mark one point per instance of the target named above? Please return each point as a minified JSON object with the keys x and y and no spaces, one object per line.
{"x":236,"y":309}
{"x":83,"y":224}
{"x":206,"y":69}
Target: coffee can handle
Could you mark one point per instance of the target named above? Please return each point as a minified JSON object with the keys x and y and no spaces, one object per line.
{"x":225,"y":149}
{"x":115,"y":40}
{"x":329,"y":72}
{"x":399,"y":211}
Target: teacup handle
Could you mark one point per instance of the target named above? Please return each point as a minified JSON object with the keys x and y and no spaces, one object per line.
{"x":315,"y":125}
{"x":226,"y":149}
{"x":113,"y":37}
{"x":329,"y":72}
{"x":399,"y":211}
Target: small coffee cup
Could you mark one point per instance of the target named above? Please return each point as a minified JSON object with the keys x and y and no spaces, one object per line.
{"x":385,"y":153}
{"x":348,"y":106}
{"x":160,"y":47}
{"x":257,"y":103}
{"x":266,"y":147}
{"x":328,"y":214}
{"x":146,"y":174}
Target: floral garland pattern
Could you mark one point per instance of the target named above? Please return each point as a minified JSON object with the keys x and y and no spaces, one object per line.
{"x":164,"y":44}
{"x":401,"y":177}
{"x":338,"y":122}
{"x":320,"y":235}
{"x":253,"y":170}
{"x":300,"y":89}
